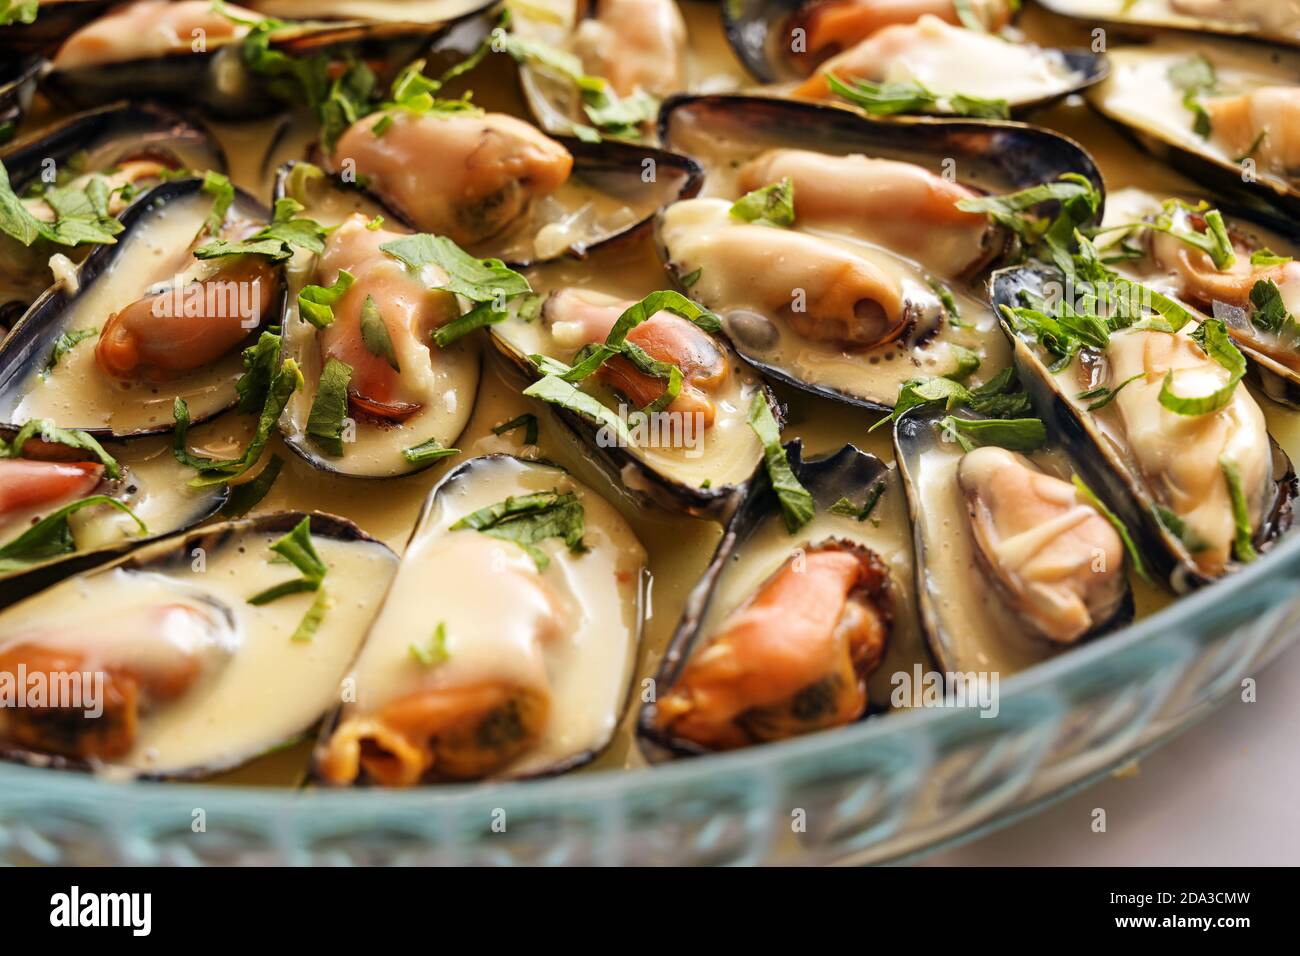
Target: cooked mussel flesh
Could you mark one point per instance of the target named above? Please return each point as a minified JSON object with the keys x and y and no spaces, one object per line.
{"x":793,"y":659}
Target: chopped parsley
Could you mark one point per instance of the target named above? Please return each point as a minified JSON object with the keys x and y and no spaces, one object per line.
{"x":435,"y":651}
{"x":1242,"y":547}
{"x":796,"y":501}
{"x":329,"y":408}
{"x":1195,"y":77}
{"x":276,"y":241}
{"x":488,"y":283}
{"x":427,"y":451}
{"x":892,"y":99}
{"x":217,"y":471}
{"x":529,"y":519}
{"x":1120,"y":528}
{"x":297,"y":548}
{"x":769,"y":206}
{"x":526,"y":421}
{"x":1016,"y":434}
{"x":316,"y":303}
{"x":81,"y":214}
{"x":861,"y":512}
{"x":65,"y":343}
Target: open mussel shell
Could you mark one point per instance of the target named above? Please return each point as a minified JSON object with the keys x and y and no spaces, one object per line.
{"x":1261,"y":228}
{"x":763,"y":32}
{"x":102,"y":138}
{"x":723,"y":133}
{"x":1109,"y":469}
{"x":1139,"y":99}
{"x":217,"y":80}
{"x":91,"y":142}
{"x":756,"y":543}
{"x":969,"y":624}
{"x":1271,"y":22}
{"x":682,"y":466}
{"x":541,"y":652}
{"x":990,"y":155}
{"x":172,"y":619}
{"x":55,"y":19}
{"x":372,"y":448}
{"x":18,"y":78}
{"x":152,"y":484}
{"x":611,"y":196}
{"x":158,"y":230}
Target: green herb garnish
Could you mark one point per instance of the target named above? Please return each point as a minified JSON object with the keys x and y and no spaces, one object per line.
{"x":330,"y":407}
{"x":316,"y":303}
{"x":297,"y":548}
{"x":526,"y":421}
{"x":891,"y":99}
{"x":1243,"y":549}
{"x":431,"y":450}
{"x":797,"y":505}
{"x":46,"y":431}
{"x":1120,"y":528}
{"x":769,"y":206}
{"x":861,"y":512}
{"x":435,"y":652}
{"x":528,"y":519}
{"x":51,"y":537}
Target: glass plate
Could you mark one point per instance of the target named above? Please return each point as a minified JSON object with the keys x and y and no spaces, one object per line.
{"x":873,"y":792}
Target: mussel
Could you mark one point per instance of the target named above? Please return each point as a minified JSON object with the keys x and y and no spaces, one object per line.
{"x":389,"y":406}
{"x":1013,"y":562}
{"x":638,"y":49}
{"x":1258,"y":319}
{"x":1276,"y":22}
{"x":693,"y":455}
{"x":1202,"y":493}
{"x":143,"y":322}
{"x":506,"y":645}
{"x":130,"y":146}
{"x":854,"y":299}
{"x":502,"y":188}
{"x":173,"y":662}
{"x":785,"y":635}
{"x":925,"y":44}
{"x":1225,"y":113}
{"x":192,"y":51}
{"x":55,"y":514}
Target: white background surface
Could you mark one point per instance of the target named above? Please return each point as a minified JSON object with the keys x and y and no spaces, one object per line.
{"x":1226,"y":792}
